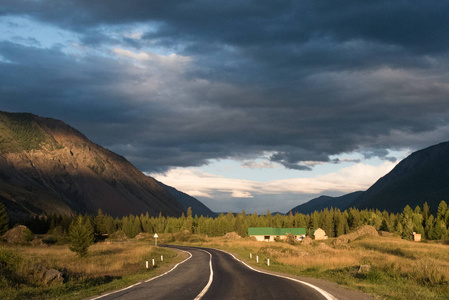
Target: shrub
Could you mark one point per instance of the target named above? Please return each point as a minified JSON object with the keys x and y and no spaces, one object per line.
{"x":9,"y":264}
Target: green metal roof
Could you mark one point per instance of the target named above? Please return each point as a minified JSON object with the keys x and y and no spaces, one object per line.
{"x":294,"y":231}
{"x":275,"y":231}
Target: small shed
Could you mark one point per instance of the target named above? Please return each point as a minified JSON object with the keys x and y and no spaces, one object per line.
{"x":319,"y":234}
{"x":270,"y":234}
{"x":417,"y":237}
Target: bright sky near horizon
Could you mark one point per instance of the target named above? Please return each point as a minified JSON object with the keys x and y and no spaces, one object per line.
{"x":242,"y":104}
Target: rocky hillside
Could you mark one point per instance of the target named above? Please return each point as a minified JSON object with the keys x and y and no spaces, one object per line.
{"x":47,"y":167}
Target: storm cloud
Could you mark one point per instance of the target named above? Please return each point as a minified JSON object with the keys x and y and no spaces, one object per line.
{"x":180,"y":83}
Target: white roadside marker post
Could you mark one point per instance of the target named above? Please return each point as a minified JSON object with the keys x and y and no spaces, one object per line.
{"x":268,"y":261}
{"x":257,"y":259}
{"x":155,"y":239}
{"x":146,"y":264}
{"x":250,"y":255}
{"x":162,"y":258}
{"x":153,"y":262}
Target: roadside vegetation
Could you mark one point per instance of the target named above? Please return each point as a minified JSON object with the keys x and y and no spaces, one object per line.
{"x":108,"y":266}
{"x":387,"y":267}
{"x":390,"y":266}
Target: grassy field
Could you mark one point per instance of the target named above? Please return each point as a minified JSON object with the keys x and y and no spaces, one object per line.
{"x":399,"y":269}
{"x":108,"y":266}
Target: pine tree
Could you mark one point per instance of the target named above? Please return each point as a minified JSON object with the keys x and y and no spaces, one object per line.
{"x":81,"y":236}
{"x":4,"y":219}
{"x":441,"y":210}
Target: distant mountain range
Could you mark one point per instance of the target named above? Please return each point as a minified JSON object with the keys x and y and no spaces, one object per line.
{"x":322,"y":202}
{"x":421,"y":177}
{"x":48,"y":167}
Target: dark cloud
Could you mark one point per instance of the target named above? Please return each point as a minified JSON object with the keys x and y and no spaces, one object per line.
{"x":300,"y":80}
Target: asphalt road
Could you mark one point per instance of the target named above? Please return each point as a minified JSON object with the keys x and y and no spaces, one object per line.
{"x":212,"y":274}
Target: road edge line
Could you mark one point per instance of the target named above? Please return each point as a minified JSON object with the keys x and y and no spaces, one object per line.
{"x":128,"y":287}
{"x":211,"y":277}
{"x":326,"y":295}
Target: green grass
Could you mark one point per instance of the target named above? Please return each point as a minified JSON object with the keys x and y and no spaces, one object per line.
{"x":21,"y":132}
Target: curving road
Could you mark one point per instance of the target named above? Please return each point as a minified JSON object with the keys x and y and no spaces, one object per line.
{"x":212,"y":274}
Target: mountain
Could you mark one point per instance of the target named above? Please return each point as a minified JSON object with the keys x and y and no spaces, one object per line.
{"x":198,"y":208}
{"x":323,"y":202}
{"x":421,"y":177}
{"x":47,"y":167}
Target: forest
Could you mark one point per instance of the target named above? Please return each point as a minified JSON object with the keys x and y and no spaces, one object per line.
{"x":334,"y":221}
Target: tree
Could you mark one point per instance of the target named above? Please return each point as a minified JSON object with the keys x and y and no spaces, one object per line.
{"x":441,"y":210}
{"x":81,"y":234}
{"x":4,"y":219}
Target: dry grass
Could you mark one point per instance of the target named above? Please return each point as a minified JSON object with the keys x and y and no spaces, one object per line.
{"x":113,"y":259}
{"x":399,"y":269}
{"x":107,"y":266}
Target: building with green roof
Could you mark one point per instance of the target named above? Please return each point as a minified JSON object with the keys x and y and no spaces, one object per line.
{"x":271,"y":234}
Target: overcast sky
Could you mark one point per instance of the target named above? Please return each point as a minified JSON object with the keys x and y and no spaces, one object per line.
{"x":250,"y":105}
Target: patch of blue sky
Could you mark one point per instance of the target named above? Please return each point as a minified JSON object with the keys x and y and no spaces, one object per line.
{"x":28,"y":32}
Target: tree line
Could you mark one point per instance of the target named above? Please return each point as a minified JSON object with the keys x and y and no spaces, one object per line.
{"x":334,"y":221}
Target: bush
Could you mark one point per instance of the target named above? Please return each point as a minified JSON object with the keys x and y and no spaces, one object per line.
{"x":9,"y":265}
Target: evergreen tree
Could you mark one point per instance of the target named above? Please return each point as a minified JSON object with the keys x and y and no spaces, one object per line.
{"x":353,"y":218}
{"x":4,"y":219}
{"x":81,"y":236}
{"x":99,"y":221}
{"x":425,"y":213}
{"x":407,"y":223}
{"x":442,"y":208}
{"x":428,"y":229}
{"x":188,"y":221}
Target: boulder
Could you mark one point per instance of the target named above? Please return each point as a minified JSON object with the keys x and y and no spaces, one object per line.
{"x":19,"y":235}
{"x":363,"y":231}
{"x":53,"y":276}
{"x":364,"y":269}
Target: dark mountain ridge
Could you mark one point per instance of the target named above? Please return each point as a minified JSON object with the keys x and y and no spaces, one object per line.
{"x":421,"y":177}
{"x":322,"y":202}
{"x":46,"y":167}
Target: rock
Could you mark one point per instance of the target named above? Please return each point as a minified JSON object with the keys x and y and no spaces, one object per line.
{"x":49,"y":276}
{"x":364,"y":269}
{"x":53,"y":276}
{"x":306,"y":241}
{"x":232,"y":236}
{"x":19,"y":235}
{"x":366,"y":230}
{"x":37,"y":243}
